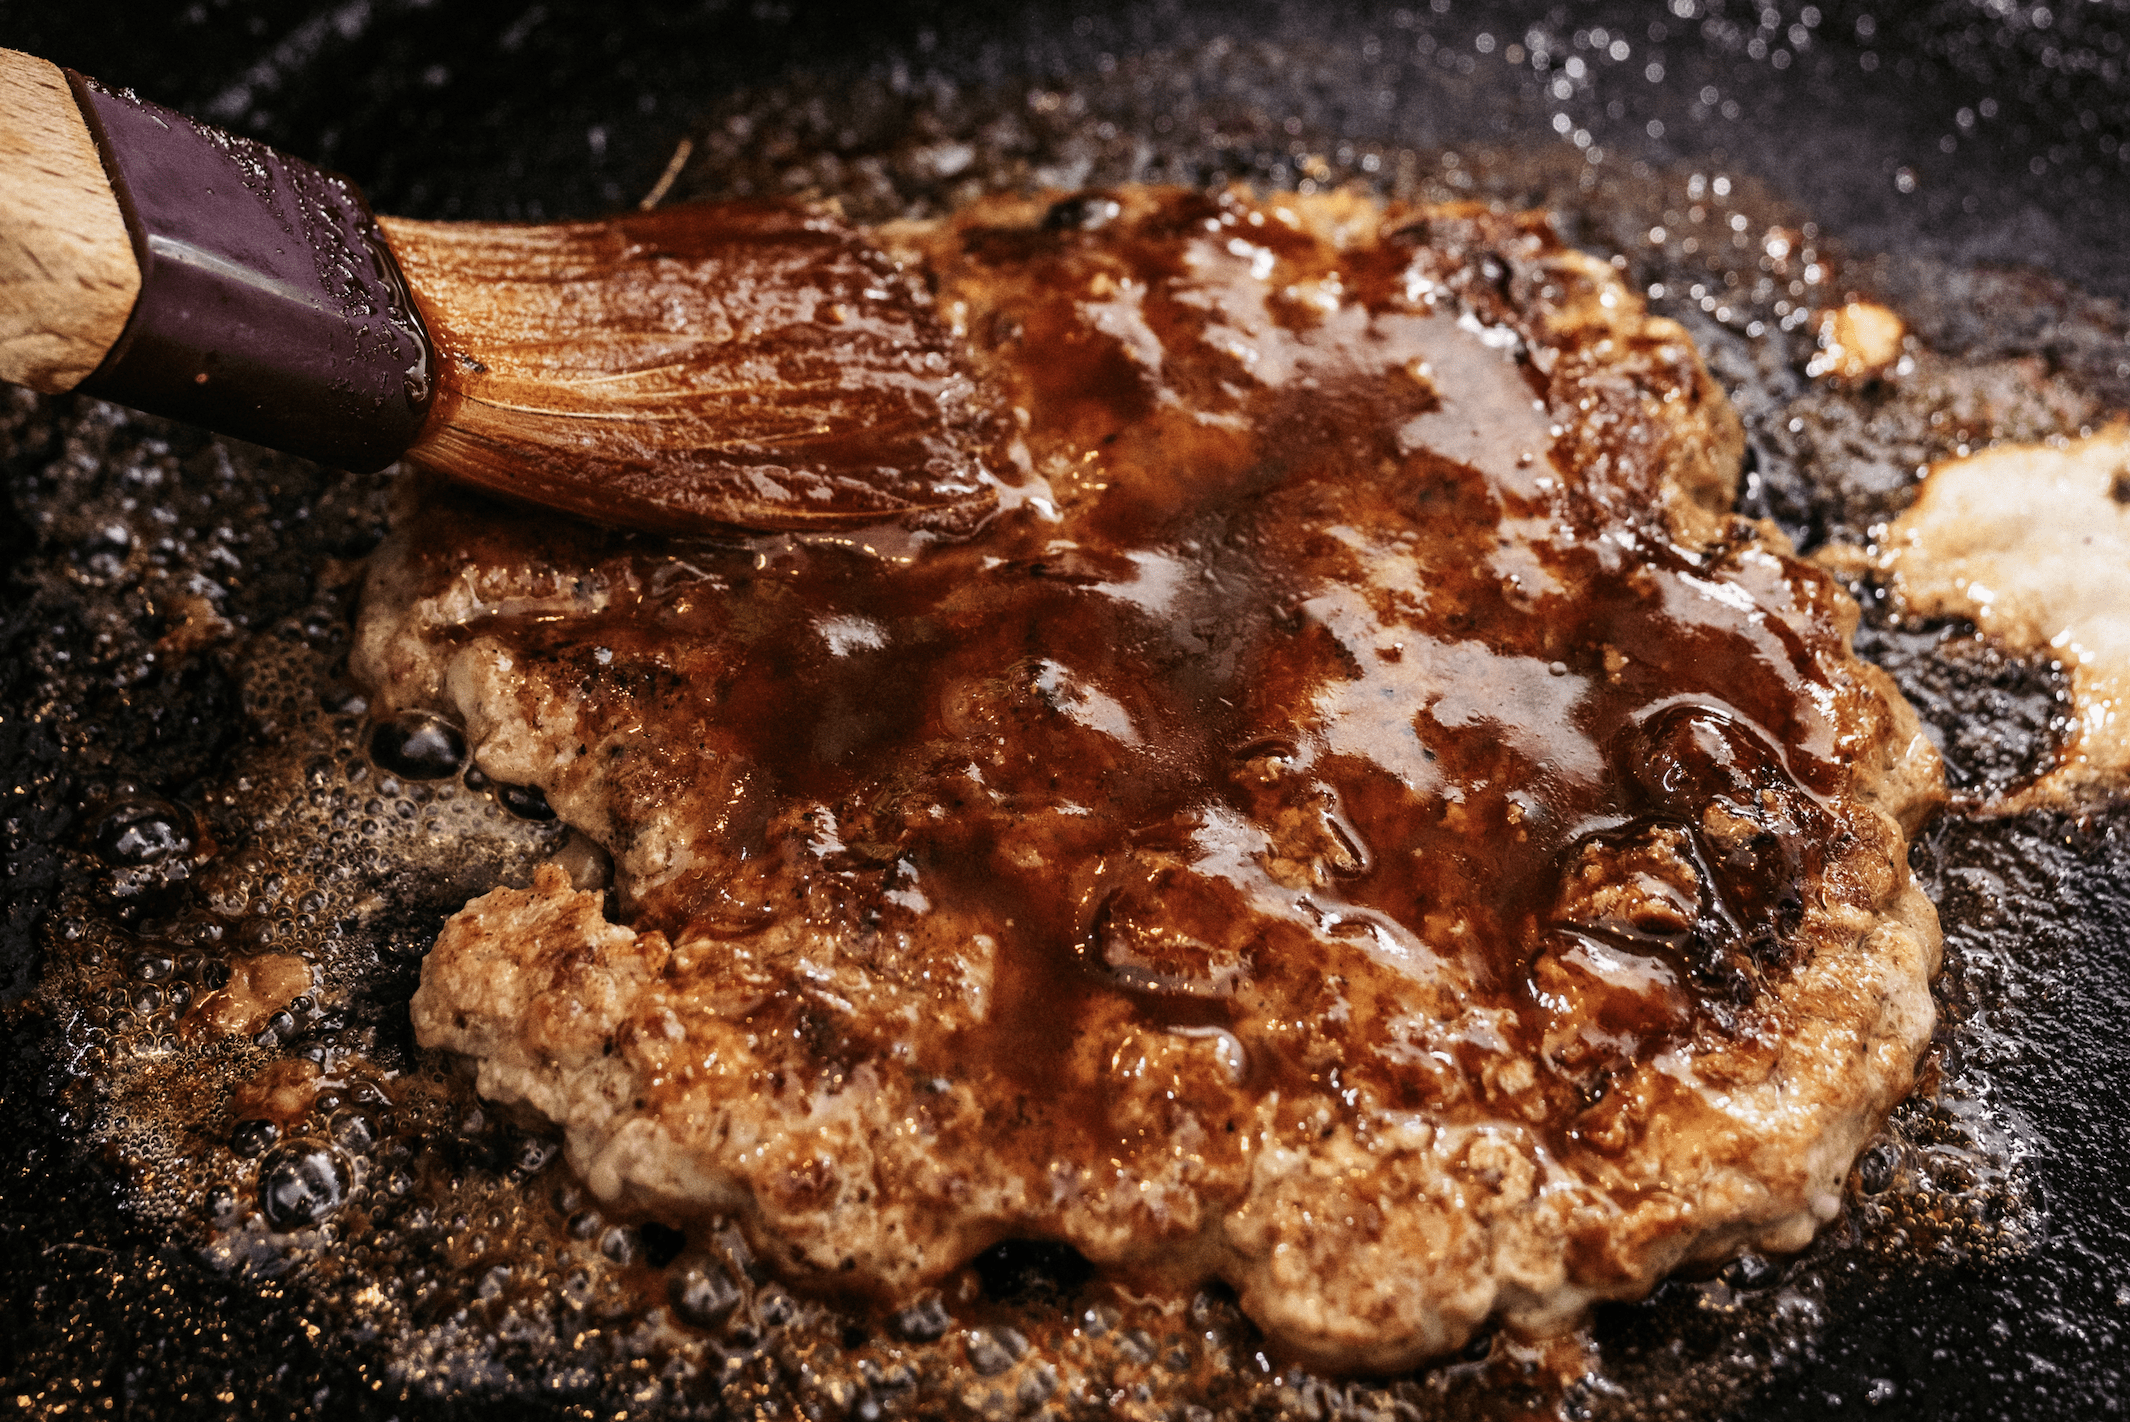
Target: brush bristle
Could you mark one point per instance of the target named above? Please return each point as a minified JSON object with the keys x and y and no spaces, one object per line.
{"x":709,"y":365}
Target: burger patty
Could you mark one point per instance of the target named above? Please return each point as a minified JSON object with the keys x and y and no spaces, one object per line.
{"x":1359,"y":820}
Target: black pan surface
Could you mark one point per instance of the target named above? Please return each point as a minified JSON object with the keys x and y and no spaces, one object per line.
{"x":1967,"y":163}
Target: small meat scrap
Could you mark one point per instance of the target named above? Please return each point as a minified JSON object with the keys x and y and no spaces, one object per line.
{"x":258,"y":987}
{"x":2031,"y":543}
{"x":1857,"y":340}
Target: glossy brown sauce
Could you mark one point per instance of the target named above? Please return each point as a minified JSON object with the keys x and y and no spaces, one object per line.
{"x":1329,"y":626}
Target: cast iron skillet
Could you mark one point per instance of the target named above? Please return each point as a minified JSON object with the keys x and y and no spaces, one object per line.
{"x":1974,"y":139}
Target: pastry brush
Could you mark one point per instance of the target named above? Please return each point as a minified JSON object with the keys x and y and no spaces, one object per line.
{"x":682,"y":370}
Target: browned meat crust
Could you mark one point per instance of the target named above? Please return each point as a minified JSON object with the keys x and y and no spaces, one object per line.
{"x":1360,"y":822}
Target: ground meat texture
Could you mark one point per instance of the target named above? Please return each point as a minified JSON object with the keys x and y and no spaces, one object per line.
{"x":1360,"y":820}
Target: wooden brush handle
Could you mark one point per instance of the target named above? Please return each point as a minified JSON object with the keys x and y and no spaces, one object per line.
{"x":155,"y":261}
{"x":67,"y":274}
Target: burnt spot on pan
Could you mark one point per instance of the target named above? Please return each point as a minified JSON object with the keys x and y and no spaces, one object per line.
{"x":1998,"y":719}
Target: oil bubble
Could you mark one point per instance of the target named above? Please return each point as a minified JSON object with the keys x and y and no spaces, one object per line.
{"x":1751,"y":1271}
{"x":251,"y":1138}
{"x":702,"y":1293}
{"x":142,"y":831}
{"x":532,"y":1155}
{"x":418,"y":746}
{"x":153,"y":967}
{"x":222,"y":1206}
{"x":353,"y":1130}
{"x":527,"y":802}
{"x":619,"y":1244}
{"x":925,"y":1321}
{"x":300,"y":1183}
{"x":1875,"y":1168}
